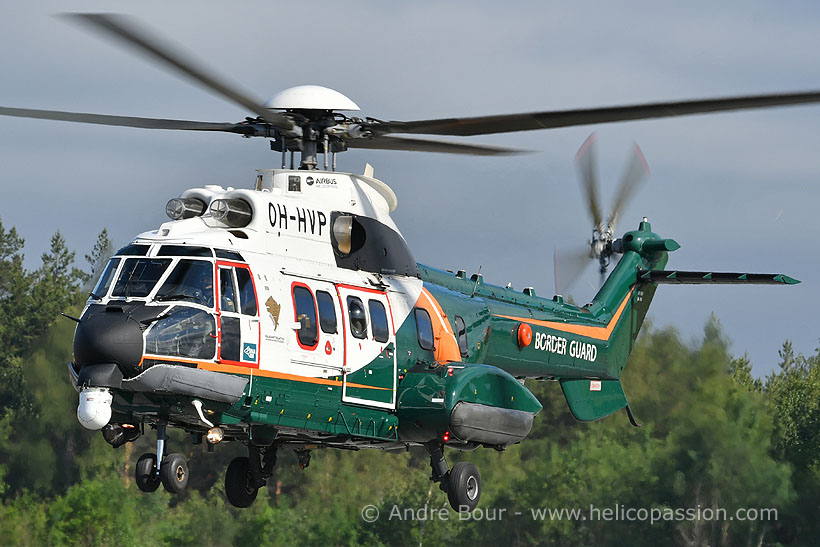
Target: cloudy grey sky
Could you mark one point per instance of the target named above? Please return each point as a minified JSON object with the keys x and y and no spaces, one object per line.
{"x":738,"y":191}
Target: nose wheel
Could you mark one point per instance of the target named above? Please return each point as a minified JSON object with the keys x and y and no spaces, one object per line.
{"x":154,"y":469}
{"x":146,"y":474}
{"x":172,"y":473}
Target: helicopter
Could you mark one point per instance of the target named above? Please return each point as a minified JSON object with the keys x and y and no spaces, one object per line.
{"x":293,"y":314}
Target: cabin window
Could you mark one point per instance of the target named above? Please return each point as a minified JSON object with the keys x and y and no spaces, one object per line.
{"x":378,"y":317}
{"x":227,"y":294}
{"x":424,"y":327}
{"x":138,"y":276}
{"x":327,"y":312}
{"x":461,"y":335}
{"x":247,"y":296}
{"x":358,"y":317}
{"x":190,"y":280}
{"x":106,"y":278}
{"x":305,"y":306}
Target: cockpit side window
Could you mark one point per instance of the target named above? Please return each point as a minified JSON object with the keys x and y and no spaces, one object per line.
{"x":184,"y":332}
{"x":191,"y":281}
{"x":138,"y":276}
{"x":247,"y":296}
{"x":227,"y":297}
{"x":106,"y":278}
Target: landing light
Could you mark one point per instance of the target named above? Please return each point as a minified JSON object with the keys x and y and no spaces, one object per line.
{"x":236,"y":213}
{"x":215,"y":435}
{"x":343,"y":232}
{"x":179,"y":208}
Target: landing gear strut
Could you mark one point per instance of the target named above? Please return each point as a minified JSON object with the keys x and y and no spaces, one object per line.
{"x":462,"y":483}
{"x":153,"y":469}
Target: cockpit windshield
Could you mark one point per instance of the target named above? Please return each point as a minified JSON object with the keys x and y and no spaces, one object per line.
{"x":190,"y":281}
{"x":106,"y":278}
{"x":138,"y":276}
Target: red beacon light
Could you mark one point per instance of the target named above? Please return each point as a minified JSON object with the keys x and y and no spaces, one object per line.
{"x":446,"y":436}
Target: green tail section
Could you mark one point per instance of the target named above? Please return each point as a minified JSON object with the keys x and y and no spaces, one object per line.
{"x":642,"y":251}
{"x":626,"y":296}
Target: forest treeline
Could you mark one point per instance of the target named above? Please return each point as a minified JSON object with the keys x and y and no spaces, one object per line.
{"x":713,"y":438}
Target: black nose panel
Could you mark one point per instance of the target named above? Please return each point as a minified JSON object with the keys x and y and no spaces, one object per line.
{"x":109,"y":336}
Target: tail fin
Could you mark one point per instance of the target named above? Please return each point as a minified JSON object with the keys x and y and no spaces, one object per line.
{"x":626,"y":296}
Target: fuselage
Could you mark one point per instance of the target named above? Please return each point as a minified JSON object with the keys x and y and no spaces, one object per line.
{"x":314,"y":306}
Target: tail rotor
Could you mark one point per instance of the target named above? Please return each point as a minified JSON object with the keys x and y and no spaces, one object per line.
{"x":570,"y":263}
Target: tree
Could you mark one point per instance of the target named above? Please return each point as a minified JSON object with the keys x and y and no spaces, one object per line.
{"x":98,"y":257}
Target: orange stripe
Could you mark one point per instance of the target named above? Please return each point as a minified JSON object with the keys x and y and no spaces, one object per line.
{"x":446,"y":345}
{"x":234,"y":369}
{"x":599,"y":333}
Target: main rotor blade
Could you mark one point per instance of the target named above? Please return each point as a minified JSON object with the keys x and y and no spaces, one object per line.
{"x":485,"y":125}
{"x":129,"y":33}
{"x":425,"y":145}
{"x":569,"y":264}
{"x":122,"y":121}
{"x":636,"y":171}
{"x":585,"y":159}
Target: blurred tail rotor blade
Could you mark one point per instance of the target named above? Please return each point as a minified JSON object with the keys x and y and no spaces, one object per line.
{"x":636,"y":171}
{"x":585,"y":158}
{"x":569,"y":265}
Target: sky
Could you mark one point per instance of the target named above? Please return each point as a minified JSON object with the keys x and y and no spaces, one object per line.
{"x":739,"y":191}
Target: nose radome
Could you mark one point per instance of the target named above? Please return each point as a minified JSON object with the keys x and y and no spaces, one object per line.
{"x":109,"y":337}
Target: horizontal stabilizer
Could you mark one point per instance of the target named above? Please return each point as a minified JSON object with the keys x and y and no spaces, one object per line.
{"x":723,"y":278}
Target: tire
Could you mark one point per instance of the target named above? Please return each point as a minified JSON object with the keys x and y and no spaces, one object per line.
{"x":238,"y":487}
{"x":174,"y":473}
{"x":464,"y":487}
{"x":144,"y":475}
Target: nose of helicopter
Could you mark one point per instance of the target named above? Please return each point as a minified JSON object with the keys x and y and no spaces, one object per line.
{"x":109,"y":337}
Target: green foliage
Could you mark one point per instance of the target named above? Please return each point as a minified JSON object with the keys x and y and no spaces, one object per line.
{"x":713,"y":436}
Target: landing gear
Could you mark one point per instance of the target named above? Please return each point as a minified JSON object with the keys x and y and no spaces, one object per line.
{"x":462,"y":483}
{"x":174,"y":473}
{"x":146,"y":473}
{"x":239,"y":488}
{"x":246,"y":475}
{"x":464,"y":487}
{"x":153,"y":469}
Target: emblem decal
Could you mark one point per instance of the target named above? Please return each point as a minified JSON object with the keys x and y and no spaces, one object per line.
{"x":249,"y":352}
{"x":273,"y":311}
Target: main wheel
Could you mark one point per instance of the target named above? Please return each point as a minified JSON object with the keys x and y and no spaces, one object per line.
{"x":174,"y":473}
{"x":238,"y":488}
{"x":147,"y":481}
{"x":464,"y":487}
